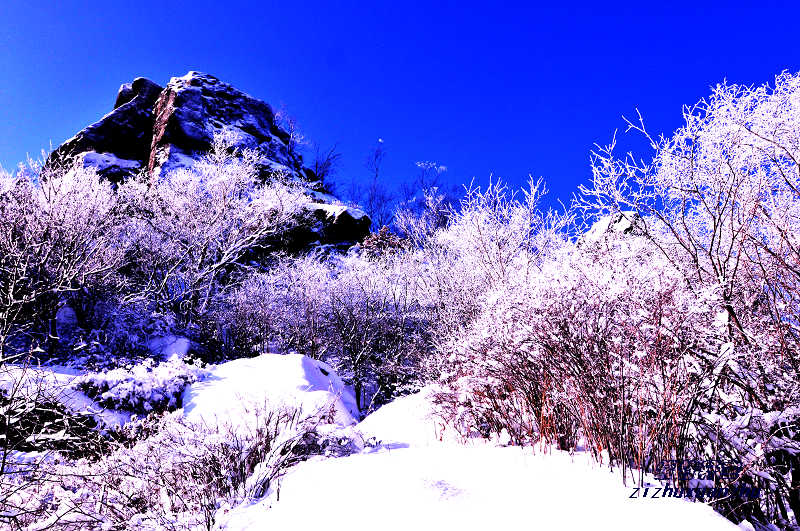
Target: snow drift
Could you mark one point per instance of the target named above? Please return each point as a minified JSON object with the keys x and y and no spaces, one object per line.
{"x":234,"y":391}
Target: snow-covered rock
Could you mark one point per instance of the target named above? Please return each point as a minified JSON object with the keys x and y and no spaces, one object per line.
{"x":158,"y":130}
{"x":340,"y":223}
{"x":407,"y":421}
{"x":104,"y":163}
{"x":235,"y":392}
{"x":626,"y":222}
{"x":193,"y":108}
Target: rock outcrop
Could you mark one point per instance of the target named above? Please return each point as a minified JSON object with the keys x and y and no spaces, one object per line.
{"x":119,"y":143}
{"x":328,"y":225}
{"x":160,"y":129}
{"x":195,"y":107}
{"x":626,"y":222}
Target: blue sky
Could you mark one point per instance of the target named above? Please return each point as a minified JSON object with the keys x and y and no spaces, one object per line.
{"x":509,"y":89}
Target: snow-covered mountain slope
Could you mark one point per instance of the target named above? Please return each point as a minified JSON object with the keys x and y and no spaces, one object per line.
{"x":416,"y":482}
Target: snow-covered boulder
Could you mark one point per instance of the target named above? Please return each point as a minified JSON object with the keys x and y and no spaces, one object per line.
{"x":236,"y":392}
{"x":407,"y":421}
{"x":340,"y":223}
{"x":108,"y":165}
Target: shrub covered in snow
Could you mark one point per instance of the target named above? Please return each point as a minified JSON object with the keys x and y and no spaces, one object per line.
{"x":679,"y":340}
{"x":143,"y":388}
{"x":177,"y":477}
{"x":359,"y":314}
{"x":34,"y":417}
{"x":59,"y":231}
{"x":382,"y":242}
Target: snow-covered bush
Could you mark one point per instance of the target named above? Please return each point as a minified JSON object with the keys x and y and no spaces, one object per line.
{"x":143,"y":388}
{"x":177,"y":477}
{"x":378,"y":329}
{"x":281,"y":309}
{"x":382,"y":242}
{"x":422,"y":215}
{"x":721,"y":201}
{"x":357,"y":313}
{"x":594,"y":345}
{"x":376,"y":316}
{"x":116,"y":333}
{"x":495,"y":235}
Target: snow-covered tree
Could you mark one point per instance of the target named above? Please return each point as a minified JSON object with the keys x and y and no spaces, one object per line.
{"x":191,"y":230}
{"x":60,"y":231}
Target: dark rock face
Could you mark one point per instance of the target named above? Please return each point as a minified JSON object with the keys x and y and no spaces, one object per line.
{"x":340,"y":223}
{"x":140,"y":86}
{"x":124,"y":135}
{"x":195,"y":107}
{"x":335,"y":227}
{"x":159,"y":130}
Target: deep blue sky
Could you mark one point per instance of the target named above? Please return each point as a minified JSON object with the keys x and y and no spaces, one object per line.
{"x":479,"y":87}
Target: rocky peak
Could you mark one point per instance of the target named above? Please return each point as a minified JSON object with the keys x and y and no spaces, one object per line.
{"x":626,"y":222}
{"x":140,"y":87}
{"x":159,"y":129}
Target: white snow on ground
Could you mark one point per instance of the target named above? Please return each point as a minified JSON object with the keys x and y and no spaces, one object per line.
{"x":235,"y":389}
{"x":408,"y":421}
{"x":417,"y":482}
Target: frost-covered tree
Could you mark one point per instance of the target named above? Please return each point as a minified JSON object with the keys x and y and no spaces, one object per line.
{"x":721,"y":201}
{"x":190,"y":231}
{"x":721,"y":197}
{"x":60,"y":231}
{"x":493,"y":234}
